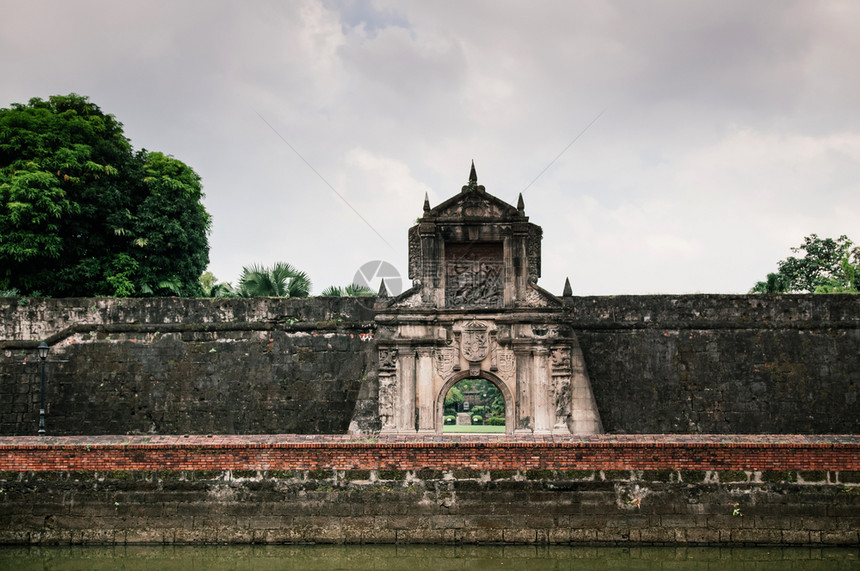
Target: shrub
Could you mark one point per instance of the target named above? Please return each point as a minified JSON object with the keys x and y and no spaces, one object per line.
{"x":496,"y":421}
{"x":450,"y":420}
{"x":481,"y":410}
{"x":477,"y":419}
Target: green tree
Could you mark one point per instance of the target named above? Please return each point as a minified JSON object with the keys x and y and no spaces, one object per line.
{"x":453,"y":399}
{"x":827,"y":266}
{"x":82,"y":214}
{"x":211,"y":287}
{"x":280,"y":280}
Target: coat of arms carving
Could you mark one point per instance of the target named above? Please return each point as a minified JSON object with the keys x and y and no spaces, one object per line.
{"x":475,"y":344}
{"x":445,"y":360}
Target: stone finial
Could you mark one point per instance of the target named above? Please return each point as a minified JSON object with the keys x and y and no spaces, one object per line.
{"x":473,"y":179}
{"x":568,"y":291}
{"x":383,"y":291}
{"x":426,"y":203}
{"x":521,"y":206}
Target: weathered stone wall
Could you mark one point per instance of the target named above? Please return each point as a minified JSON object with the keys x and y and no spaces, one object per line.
{"x":430,"y":506}
{"x":616,"y":489}
{"x":174,"y":366}
{"x":657,"y":364}
{"x":723,"y":364}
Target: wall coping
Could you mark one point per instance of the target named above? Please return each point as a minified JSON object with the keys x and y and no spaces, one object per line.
{"x":445,"y":440}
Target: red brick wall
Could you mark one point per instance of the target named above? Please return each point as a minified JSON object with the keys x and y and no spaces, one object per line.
{"x":138,"y":453}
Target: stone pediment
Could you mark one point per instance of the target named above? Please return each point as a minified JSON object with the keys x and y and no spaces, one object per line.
{"x":475,"y":251}
{"x":536,"y":296}
{"x":473,"y":205}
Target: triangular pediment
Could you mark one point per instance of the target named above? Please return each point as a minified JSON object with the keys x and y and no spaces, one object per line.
{"x":473,"y":204}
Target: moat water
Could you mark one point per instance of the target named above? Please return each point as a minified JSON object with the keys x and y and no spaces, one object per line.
{"x":419,"y":558}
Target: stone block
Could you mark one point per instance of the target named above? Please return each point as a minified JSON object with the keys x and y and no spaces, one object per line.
{"x":660,"y":535}
{"x":473,"y":535}
{"x":558,"y":535}
{"x":614,"y":534}
{"x":519,"y":535}
{"x":141,"y":535}
{"x":796,"y":537}
{"x":701,"y":535}
{"x":583,"y":535}
{"x":757,"y":536}
{"x":845,"y":538}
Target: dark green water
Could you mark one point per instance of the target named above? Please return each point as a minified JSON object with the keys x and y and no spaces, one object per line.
{"x":420,"y":558}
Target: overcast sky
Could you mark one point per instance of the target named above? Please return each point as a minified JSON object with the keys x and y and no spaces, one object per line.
{"x":726,"y":131}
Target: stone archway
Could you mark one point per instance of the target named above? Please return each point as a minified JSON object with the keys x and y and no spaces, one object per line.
{"x":439,"y":405}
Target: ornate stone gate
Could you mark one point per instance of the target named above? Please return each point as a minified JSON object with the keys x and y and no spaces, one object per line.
{"x":475,"y":311}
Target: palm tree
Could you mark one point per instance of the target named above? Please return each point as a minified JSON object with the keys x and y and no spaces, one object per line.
{"x":281,"y":280}
{"x":352,"y":290}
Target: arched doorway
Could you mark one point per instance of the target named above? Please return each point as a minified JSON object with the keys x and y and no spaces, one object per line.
{"x":487,"y":376}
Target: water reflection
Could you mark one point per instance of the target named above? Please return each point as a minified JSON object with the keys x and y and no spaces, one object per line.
{"x":419,"y":558}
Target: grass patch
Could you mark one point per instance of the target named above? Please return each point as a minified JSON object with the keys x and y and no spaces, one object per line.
{"x":472,"y":428}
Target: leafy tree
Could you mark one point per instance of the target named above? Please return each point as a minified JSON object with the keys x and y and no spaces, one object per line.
{"x":454,"y":398}
{"x":827,"y":266}
{"x":82,"y":214}
{"x":280,"y":280}
{"x":211,"y":287}
{"x":352,"y":290}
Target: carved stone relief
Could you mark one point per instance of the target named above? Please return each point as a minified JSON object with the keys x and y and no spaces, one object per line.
{"x":533,"y":253}
{"x":561,"y":398}
{"x":507,"y":365}
{"x":474,"y":275}
{"x":560,"y":358}
{"x":445,"y":361}
{"x":534,"y":299}
{"x":475,"y":343}
{"x":475,"y":207}
{"x":414,"y":253}
{"x":387,"y":395}
{"x":387,"y":359}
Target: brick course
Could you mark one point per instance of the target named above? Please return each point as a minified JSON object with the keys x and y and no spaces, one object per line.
{"x":282,"y":452}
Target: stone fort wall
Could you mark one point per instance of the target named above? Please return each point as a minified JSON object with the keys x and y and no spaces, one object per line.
{"x":184,"y":366}
{"x":657,"y":364}
{"x":618,"y":490}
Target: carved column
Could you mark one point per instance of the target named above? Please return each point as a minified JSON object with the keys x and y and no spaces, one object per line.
{"x":524,"y":405}
{"x":541,"y":383}
{"x":387,"y":388}
{"x":561,"y":397}
{"x":425,"y":389}
{"x":406,"y":384}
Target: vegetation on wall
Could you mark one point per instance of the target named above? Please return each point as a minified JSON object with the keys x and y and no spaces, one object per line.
{"x":83,"y":214}
{"x":352,"y":290}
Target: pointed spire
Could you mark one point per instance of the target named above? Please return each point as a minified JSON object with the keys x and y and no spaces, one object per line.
{"x":568,"y":291}
{"x":473,"y":181}
{"x":426,"y":203}
{"x":521,"y":206}
{"x":383,"y":291}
